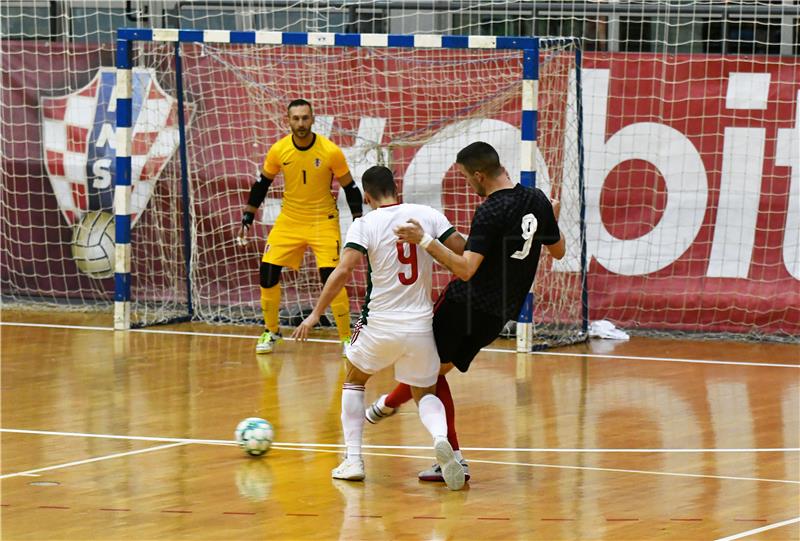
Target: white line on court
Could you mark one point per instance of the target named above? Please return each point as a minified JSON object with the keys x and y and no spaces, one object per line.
{"x":335,"y":448}
{"x":562,"y":467}
{"x":409,"y":447}
{"x":89,"y":460}
{"x":492,"y":350}
{"x":759,"y":530}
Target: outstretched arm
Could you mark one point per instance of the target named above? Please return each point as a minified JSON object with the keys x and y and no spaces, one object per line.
{"x":337,"y":280}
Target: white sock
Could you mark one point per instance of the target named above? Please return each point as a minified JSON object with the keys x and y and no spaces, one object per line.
{"x":353,"y":418}
{"x":431,"y":411}
{"x":459,"y":457}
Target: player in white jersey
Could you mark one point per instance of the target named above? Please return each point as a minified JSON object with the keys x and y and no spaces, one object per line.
{"x":395,"y":327}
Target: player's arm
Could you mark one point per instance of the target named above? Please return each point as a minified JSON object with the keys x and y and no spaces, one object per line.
{"x":455,"y":243}
{"x":559,"y":249}
{"x":337,"y":280}
{"x":341,"y":170}
{"x":352,"y":194}
{"x":464,"y":266}
{"x":258,"y":192}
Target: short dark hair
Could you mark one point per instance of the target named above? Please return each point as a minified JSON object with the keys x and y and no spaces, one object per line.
{"x":297,"y":103}
{"x":378,"y":182}
{"x":480,"y":156}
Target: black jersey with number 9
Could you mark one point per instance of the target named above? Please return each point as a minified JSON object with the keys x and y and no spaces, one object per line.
{"x":508,"y":229}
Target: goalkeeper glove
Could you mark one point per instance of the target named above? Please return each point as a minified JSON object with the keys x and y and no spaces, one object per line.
{"x":247,"y":219}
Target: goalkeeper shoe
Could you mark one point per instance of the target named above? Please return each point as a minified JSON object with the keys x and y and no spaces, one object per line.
{"x":267,"y":341}
{"x":378,"y":410}
{"x":434,"y":473}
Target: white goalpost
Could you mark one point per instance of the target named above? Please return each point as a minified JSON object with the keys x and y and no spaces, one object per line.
{"x":408,"y":102}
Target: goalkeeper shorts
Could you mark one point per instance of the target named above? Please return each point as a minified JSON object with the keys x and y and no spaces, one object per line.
{"x":289,"y":238}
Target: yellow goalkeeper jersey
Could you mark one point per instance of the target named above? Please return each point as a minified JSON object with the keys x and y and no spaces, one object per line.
{"x":308,"y":173}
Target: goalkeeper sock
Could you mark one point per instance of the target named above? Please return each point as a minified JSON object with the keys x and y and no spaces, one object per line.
{"x":340,"y":306}
{"x":270,"y":303}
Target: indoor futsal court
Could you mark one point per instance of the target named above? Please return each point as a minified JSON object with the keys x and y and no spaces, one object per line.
{"x":129,"y":435}
{"x":185,"y":183}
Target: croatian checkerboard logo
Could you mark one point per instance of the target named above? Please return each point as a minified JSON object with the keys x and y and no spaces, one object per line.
{"x":80,"y":158}
{"x":80,"y":143}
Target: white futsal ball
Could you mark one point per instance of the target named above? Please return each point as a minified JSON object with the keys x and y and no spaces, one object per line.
{"x":254,"y":436}
{"x":93,"y":244}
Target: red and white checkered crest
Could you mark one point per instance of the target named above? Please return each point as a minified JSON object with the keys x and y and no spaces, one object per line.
{"x":80,"y":142}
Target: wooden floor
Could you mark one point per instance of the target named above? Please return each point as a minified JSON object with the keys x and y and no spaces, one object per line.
{"x":127,"y":436}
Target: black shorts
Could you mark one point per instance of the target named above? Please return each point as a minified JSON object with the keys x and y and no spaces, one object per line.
{"x":460,"y":333}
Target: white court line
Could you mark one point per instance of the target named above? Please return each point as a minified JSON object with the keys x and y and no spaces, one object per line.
{"x":492,"y":350}
{"x":89,"y":460}
{"x":409,"y":447}
{"x":659,"y":359}
{"x":562,"y":467}
{"x":759,"y":530}
{"x":323,"y":448}
{"x":157,"y":331}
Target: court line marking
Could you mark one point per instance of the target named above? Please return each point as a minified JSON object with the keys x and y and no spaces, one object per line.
{"x":491,"y":350}
{"x":336,"y":448}
{"x":409,"y":447}
{"x":89,"y":460}
{"x":562,"y":467}
{"x":761,"y":529}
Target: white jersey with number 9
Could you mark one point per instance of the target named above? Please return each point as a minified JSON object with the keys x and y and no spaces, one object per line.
{"x":400,"y":274}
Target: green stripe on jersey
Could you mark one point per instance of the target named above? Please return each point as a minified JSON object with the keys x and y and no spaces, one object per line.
{"x":355,"y":246}
{"x":446,"y":235}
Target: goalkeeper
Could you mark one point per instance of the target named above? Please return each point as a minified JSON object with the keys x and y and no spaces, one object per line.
{"x":308,"y":217}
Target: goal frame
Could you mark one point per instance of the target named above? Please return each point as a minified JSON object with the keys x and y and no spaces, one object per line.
{"x":126,"y":38}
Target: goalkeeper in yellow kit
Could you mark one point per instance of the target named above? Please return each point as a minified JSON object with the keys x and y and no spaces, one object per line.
{"x":308,"y":217}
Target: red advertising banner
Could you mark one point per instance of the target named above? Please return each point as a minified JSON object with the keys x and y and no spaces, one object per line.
{"x":692,"y":184}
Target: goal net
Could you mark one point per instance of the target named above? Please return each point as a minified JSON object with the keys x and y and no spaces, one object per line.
{"x":409,"y":108}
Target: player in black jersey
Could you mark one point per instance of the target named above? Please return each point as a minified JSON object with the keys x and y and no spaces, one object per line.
{"x":494,"y":275}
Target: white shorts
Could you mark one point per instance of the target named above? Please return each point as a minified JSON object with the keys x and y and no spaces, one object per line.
{"x":414,"y":355}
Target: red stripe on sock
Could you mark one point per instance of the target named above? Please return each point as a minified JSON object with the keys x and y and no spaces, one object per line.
{"x":443,"y":392}
{"x":399,"y":396}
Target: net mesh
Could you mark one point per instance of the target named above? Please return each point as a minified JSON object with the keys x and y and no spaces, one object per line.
{"x":408,"y":109}
{"x":722,"y":75}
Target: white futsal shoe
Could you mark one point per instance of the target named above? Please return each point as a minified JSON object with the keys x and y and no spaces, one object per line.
{"x":351,"y":469}
{"x":452,"y":471}
{"x":434,"y":473}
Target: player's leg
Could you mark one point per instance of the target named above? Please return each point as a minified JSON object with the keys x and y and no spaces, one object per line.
{"x":352,"y":469}
{"x":481,"y":329}
{"x":340,"y":306}
{"x":418,"y":367}
{"x":371,"y":351}
{"x":269,"y":277}
{"x":449,"y":330}
{"x":326,"y":243}
{"x":433,"y":416}
{"x":284,"y":248}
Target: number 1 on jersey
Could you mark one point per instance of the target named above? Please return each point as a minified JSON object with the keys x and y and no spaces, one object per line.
{"x":409,"y":259}
{"x":529,"y":225}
